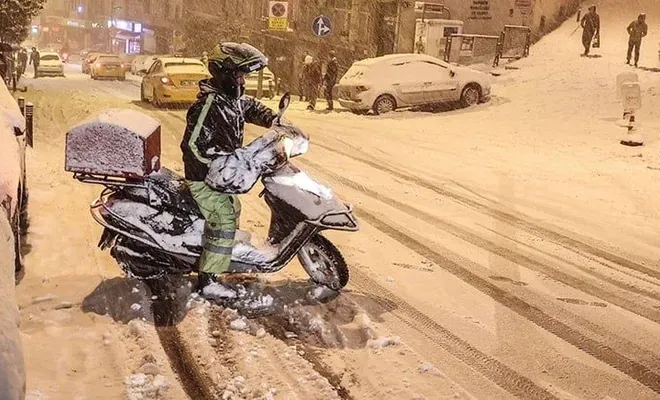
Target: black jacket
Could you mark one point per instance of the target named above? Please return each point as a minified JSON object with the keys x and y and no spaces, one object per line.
{"x":331,"y":71}
{"x":215,"y":124}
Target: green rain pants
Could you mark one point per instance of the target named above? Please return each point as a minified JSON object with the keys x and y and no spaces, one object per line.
{"x":222,"y":213}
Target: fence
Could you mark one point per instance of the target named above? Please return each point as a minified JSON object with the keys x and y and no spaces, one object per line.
{"x":468,"y":49}
{"x":514,"y":42}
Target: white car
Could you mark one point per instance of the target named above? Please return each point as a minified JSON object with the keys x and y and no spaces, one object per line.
{"x":383,"y":84}
{"x":50,"y":63}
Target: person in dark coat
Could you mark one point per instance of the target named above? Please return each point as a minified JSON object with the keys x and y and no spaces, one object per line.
{"x":35,"y":57}
{"x":214,"y":130}
{"x":23,"y":60}
{"x":591,"y":28}
{"x":637,"y":30}
{"x":330,"y":78}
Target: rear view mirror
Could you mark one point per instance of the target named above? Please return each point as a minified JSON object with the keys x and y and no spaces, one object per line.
{"x":284,"y":104}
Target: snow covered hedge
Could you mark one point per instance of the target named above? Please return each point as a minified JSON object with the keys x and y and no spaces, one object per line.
{"x":12,"y":371}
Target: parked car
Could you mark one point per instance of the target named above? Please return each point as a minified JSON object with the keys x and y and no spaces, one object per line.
{"x":50,"y":63}
{"x":13,"y":207}
{"x":173,"y":80}
{"x":268,"y":85}
{"x":87,"y":62}
{"x":108,"y":66}
{"x":383,"y":84}
{"x":13,"y":182}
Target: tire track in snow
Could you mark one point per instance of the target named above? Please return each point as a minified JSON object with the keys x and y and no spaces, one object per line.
{"x":516,"y":257}
{"x":498,"y":372}
{"x":604,"y":353}
{"x":195,"y":383}
{"x":527,"y":224}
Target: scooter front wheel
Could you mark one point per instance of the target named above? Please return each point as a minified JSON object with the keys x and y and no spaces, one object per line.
{"x":324,"y":263}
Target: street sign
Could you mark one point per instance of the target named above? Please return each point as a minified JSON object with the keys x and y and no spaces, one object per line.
{"x":322,"y":26}
{"x":623,"y":78}
{"x":429,"y":7}
{"x":525,"y":6}
{"x":632,"y":96}
{"x":278,"y":14}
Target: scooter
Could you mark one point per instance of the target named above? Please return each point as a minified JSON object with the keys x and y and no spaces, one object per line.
{"x":154,"y":228}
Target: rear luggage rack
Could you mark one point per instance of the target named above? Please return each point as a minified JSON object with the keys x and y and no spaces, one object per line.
{"x":111,"y":182}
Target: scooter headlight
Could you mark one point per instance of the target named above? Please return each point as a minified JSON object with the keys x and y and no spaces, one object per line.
{"x":288,"y":147}
{"x":300,"y":147}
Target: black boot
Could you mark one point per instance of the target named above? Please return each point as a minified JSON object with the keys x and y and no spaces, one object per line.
{"x":204,"y":279}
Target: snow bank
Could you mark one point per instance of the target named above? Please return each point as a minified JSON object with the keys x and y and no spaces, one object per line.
{"x":10,"y":153}
{"x":12,"y":368}
{"x":114,"y":142}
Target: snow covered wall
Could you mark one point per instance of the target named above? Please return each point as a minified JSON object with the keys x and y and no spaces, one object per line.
{"x":12,"y":368}
{"x":12,"y":371}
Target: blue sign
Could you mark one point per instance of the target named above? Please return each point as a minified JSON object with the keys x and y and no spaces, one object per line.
{"x":321,"y":26}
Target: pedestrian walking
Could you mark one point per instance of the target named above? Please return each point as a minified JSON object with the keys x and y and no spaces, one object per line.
{"x":34,"y":60}
{"x":311,"y":80}
{"x":330,"y":78}
{"x":23,"y":60}
{"x":590,"y":29}
{"x":636,"y":30}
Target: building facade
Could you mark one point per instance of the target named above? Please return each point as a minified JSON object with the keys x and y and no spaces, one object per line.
{"x":118,"y":26}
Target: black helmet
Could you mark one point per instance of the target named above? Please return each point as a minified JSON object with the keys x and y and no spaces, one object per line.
{"x":228,"y":59}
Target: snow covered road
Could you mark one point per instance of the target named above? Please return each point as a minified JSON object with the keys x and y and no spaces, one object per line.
{"x":507,"y":250}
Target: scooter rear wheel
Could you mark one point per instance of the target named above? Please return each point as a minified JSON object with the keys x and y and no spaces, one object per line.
{"x":324,"y":263}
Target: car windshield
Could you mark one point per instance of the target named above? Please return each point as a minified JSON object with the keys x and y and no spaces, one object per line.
{"x":185,"y":68}
{"x":49,"y":57}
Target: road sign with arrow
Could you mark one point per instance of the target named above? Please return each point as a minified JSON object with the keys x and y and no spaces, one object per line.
{"x":322,"y":26}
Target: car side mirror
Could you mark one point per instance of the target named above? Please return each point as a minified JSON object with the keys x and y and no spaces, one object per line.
{"x":452,"y":73}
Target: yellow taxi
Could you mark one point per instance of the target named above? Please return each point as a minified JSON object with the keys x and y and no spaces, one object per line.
{"x":173,"y":80}
{"x":108,"y":66}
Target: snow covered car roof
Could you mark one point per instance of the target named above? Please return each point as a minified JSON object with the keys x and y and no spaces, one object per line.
{"x":180,"y":60}
{"x":397,"y":58}
{"x":9,"y":109}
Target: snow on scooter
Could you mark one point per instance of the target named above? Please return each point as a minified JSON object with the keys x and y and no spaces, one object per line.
{"x":153,"y":226}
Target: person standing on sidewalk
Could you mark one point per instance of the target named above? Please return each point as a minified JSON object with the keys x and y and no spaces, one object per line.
{"x":35,"y":58}
{"x":637,"y":30}
{"x":591,"y":28}
{"x":330,"y":78}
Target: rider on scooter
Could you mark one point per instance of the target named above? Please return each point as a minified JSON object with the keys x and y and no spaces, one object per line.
{"x":214,"y":127}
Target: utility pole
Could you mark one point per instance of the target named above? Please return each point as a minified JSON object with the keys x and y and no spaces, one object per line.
{"x":262,"y":36}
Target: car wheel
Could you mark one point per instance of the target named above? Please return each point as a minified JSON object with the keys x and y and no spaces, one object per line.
{"x":384,"y":104}
{"x":470,"y":95}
